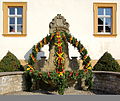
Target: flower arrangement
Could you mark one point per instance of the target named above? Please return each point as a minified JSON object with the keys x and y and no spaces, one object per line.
{"x":59,"y":76}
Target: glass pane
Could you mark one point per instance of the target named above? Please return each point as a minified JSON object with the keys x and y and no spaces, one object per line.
{"x":100,"y":28}
{"x":107,"y":28}
{"x":12,"y":10}
{"x":107,"y":21}
{"x":11,"y":20}
{"x":108,"y":11}
{"x":19,"y":28}
{"x":19,"y":10}
{"x":19,"y":20}
{"x":100,"y":11}
{"x":12,"y":29}
{"x":100,"y":21}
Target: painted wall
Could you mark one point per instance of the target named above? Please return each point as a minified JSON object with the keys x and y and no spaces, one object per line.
{"x":78,"y":13}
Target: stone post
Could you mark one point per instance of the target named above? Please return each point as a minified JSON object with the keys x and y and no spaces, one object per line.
{"x":58,"y":24}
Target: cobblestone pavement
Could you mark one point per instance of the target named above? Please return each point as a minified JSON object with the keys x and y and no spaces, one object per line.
{"x":67,"y":92}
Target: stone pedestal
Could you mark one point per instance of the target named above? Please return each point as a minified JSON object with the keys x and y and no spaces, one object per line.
{"x":40,"y":64}
{"x":58,"y":24}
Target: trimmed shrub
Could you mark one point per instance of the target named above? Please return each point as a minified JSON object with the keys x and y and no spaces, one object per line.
{"x":9,"y":63}
{"x":107,"y":63}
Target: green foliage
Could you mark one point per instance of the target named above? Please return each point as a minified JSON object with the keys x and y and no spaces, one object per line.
{"x":83,"y":52}
{"x":30,"y":61}
{"x":59,"y":82}
{"x":22,"y":68}
{"x":89,"y":79}
{"x":59,"y":78}
{"x":107,"y":63}
{"x":9,"y":63}
{"x":62,"y":84}
{"x":28,"y":81}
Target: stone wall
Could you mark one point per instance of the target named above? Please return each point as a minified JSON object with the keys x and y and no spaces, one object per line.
{"x":108,"y":82}
{"x":105,"y":81}
{"x":11,"y":81}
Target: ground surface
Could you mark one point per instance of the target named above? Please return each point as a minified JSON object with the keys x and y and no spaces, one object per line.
{"x":67,"y":92}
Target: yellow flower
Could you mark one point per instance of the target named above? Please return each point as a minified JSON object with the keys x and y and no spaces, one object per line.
{"x":36,"y":48}
{"x":45,"y":40}
{"x":52,"y":36}
{"x":40,"y":44}
{"x":89,"y":68}
{"x":88,"y":64}
{"x":71,"y":38}
{"x":58,"y":36}
{"x":60,"y":74}
{"x":76,"y":43}
{"x":60,"y":56}
{"x":28,"y":68}
{"x":33,"y":58}
{"x":58,"y":44}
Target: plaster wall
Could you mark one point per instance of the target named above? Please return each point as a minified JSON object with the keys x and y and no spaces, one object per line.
{"x":78,"y":13}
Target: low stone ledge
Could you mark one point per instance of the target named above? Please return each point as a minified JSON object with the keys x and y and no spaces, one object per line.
{"x":11,"y":82}
{"x":11,"y":73}
{"x":107,"y":81}
{"x":103,"y":81}
{"x":106,"y":72}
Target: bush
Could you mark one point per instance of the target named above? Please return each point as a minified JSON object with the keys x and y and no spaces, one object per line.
{"x":107,"y":63}
{"x":9,"y":63}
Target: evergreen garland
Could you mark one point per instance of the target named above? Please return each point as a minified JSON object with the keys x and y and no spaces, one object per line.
{"x":83,"y":52}
{"x":60,"y":77}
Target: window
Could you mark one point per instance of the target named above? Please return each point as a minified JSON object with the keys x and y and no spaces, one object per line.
{"x":14,"y":15}
{"x":105,"y":19}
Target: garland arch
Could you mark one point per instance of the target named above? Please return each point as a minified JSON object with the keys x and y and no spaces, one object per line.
{"x":59,"y":76}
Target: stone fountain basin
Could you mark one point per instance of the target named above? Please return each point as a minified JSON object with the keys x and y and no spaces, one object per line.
{"x":103,"y":81}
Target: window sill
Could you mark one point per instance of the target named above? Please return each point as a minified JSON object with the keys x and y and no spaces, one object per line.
{"x":105,"y":35}
{"x":14,"y":35}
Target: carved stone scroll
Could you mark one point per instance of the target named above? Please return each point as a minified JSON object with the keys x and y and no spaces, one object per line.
{"x":58,"y":24}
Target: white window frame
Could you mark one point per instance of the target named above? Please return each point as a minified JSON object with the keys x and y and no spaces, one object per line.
{"x":104,"y":25}
{"x":15,"y":16}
